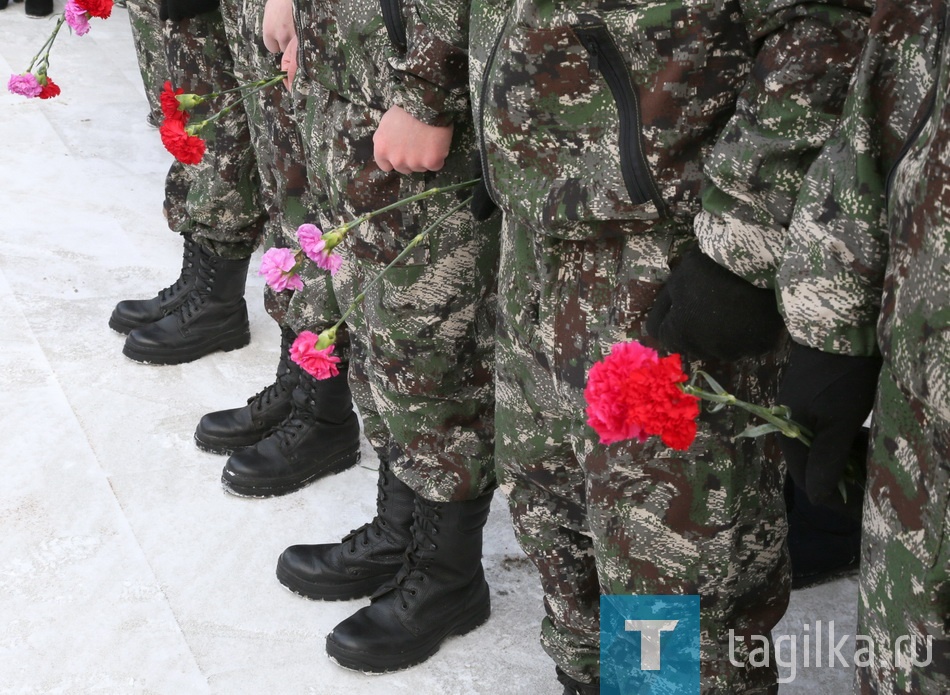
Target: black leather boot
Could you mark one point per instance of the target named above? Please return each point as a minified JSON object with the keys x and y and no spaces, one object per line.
{"x":213,"y":317}
{"x":439,"y":591}
{"x":320,"y":436}
{"x":39,"y":8}
{"x":132,"y":313}
{"x":365,"y":558}
{"x":225,"y":431}
{"x":575,"y":687}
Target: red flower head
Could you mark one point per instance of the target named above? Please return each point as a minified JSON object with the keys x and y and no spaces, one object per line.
{"x":317,"y":362}
{"x":633,"y":393}
{"x":188,"y":149}
{"x":97,"y":8}
{"x":171,"y":109}
{"x":50,"y":89}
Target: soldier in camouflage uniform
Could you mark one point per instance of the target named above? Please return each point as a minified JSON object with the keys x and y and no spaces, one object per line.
{"x":595,"y":123}
{"x":422,"y":340}
{"x":150,"y":52}
{"x":864,"y":280}
{"x":215,"y":205}
{"x":296,"y":429}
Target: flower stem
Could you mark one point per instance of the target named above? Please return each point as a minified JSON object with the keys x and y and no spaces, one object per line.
{"x":48,"y":44}
{"x":777,"y":416}
{"x":402,"y":254}
{"x":252,"y":88}
{"x":428,"y":193}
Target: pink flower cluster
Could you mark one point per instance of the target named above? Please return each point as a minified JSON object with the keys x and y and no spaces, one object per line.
{"x":78,"y":12}
{"x":30,"y":86}
{"x":313,"y":244}
{"x":279,"y":269}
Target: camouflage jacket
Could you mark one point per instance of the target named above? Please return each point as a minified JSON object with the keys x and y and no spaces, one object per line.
{"x":914,"y":326}
{"x":833,"y":265}
{"x":380,"y":53}
{"x":804,"y":59}
{"x":606,"y":110}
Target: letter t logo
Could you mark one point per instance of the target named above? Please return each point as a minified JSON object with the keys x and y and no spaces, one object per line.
{"x":649,"y":639}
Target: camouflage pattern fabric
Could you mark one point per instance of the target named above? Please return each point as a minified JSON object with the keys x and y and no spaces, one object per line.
{"x":595,"y":120}
{"x":281,"y":163}
{"x":787,"y":109}
{"x":832,"y":269}
{"x":150,"y":51}
{"x":422,"y":341}
{"x":612,"y":105}
{"x":905,"y":562}
{"x":905,"y":559}
{"x":217,"y":201}
{"x":866,"y":269}
{"x":628,"y":518}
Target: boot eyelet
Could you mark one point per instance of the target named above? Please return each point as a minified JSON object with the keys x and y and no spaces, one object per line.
{"x":405,"y":606}
{"x":412,"y":592}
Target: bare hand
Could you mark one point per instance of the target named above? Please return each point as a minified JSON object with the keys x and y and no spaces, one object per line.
{"x":278,"y":27}
{"x":408,"y":145}
{"x":288,"y":63}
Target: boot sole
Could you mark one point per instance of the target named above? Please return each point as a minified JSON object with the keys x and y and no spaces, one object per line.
{"x":225,"y":342}
{"x":337,"y":464}
{"x":383,"y":664}
{"x":340,"y":592}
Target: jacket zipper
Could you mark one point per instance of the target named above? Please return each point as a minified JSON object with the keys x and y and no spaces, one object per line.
{"x":482,"y":147}
{"x":395,"y":26}
{"x":924,"y":118}
{"x":607,"y":59}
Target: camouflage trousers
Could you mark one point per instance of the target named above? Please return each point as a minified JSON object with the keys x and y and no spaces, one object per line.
{"x":286,"y":194}
{"x":218,"y":201}
{"x":150,"y":51}
{"x":422,"y":341}
{"x":905,"y":558}
{"x":629,"y":518}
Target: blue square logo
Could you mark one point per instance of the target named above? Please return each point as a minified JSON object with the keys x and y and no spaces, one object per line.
{"x":649,"y":645}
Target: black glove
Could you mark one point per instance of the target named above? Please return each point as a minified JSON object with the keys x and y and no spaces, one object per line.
{"x":831,"y":395}
{"x":708,"y":312}
{"x":177,"y":10}
{"x":482,"y":205}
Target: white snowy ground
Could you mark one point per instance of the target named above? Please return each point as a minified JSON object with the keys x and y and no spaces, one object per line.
{"x":123,"y":566}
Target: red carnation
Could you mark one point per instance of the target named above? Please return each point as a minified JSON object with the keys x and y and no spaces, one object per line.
{"x":50,"y":90}
{"x":170,"y":107}
{"x":97,"y":8}
{"x":633,"y":394}
{"x":188,"y":149}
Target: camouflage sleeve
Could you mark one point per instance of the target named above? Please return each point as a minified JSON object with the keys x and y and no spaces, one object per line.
{"x":788,"y":107}
{"x":832,"y":271}
{"x":430,"y":61}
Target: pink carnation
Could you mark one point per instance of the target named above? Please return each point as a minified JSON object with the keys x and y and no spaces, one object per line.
{"x":330,"y":262}
{"x":313,"y":244}
{"x":311,"y":240}
{"x":277,"y":267}
{"x":320,"y":364}
{"x":25,"y":85}
{"x":77,"y":18}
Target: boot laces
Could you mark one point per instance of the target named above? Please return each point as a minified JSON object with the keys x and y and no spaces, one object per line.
{"x":188,"y":263}
{"x":198,"y":295}
{"x":302,"y":414}
{"x":361,"y":534}
{"x":271,"y":392}
{"x":425,"y":518}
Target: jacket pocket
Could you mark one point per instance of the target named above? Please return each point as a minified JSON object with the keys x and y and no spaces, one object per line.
{"x":596,"y":117}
